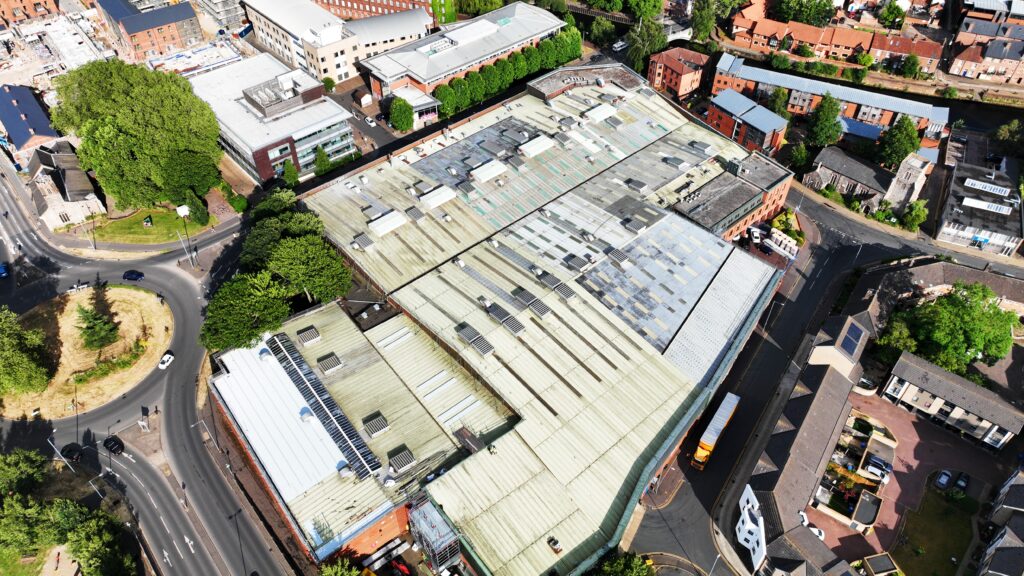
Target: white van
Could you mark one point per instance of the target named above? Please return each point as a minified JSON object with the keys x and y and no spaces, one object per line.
{"x":620,"y":46}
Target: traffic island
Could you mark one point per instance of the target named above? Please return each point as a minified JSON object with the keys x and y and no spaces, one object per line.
{"x":83,"y":378}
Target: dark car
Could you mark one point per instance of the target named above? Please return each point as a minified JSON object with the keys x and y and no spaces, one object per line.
{"x":873,"y":459}
{"x":942,"y":480}
{"x":962,"y":481}
{"x":5,"y":269}
{"x":379,"y":117}
{"x":114,"y":445}
{"x":72,"y":452}
{"x":133,"y":275}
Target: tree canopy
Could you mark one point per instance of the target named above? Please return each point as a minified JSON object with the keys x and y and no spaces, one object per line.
{"x":824,"y":128}
{"x":21,"y":471}
{"x":96,"y":329}
{"x":703,"y":20}
{"x":955,"y":329}
{"x":898,"y":142}
{"x":477,"y":7}
{"x":1010,"y":137}
{"x":401,"y":114}
{"x":289,"y":173}
{"x":21,"y":367}
{"x":342,"y":567}
{"x":914,"y":215}
{"x":911,"y":67}
{"x":628,"y":564}
{"x":146,"y":135}
{"x":242,"y":309}
{"x":644,"y":8}
{"x":309,"y":264}
{"x":778,"y":102}
{"x":602,"y":31}
{"x":891,"y":16}
{"x":813,"y":12}
{"x":645,"y":38}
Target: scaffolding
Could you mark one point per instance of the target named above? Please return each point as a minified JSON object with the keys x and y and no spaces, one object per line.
{"x":439,"y":541}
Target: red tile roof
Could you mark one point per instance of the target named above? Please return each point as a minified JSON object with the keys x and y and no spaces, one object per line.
{"x":847,"y":38}
{"x":680,"y":60}
{"x":805,"y":33}
{"x":901,"y":45}
{"x":971,"y":54}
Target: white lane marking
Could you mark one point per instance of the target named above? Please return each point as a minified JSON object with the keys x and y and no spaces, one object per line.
{"x":130,"y":457}
{"x":151,"y":498}
{"x":175,"y":542}
{"x":164,"y":522}
{"x":191,"y":544}
{"x":167,"y":558}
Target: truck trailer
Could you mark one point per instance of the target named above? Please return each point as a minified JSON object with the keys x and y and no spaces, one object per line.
{"x":714,"y":431}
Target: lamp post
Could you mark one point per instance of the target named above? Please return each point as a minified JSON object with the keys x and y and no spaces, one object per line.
{"x":186,"y":244}
{"x":49,"y":440}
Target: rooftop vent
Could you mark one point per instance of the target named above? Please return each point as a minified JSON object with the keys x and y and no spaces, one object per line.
{"x":375,"y":424}
{"x":309,"y":335}
{"x":401,"y":461}
{"x":329,"y":363}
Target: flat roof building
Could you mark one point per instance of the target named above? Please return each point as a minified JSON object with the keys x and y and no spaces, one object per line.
{"x":198,"y":60}
{"x":146,"y":34}
{"x":269,"y":114}
{"x":308,"y":37}
{"x":460,"y":49}
{"x":982,"y":210}
{"x":532,"y":246}
{"x":352,"y":10}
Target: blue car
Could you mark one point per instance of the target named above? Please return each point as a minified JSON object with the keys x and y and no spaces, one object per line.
{"x":5,"y":269}
{"x":133,"y":275}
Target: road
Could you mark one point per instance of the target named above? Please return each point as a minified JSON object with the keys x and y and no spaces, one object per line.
{"x":683,"y":527}
{"x":237,"y":547}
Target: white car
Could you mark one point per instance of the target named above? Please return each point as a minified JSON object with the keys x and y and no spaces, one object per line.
{"x":370,"y":122}
{"x":620,"y":46}
{"x":883,"y":476}
{"x":166,"y":360}
{"x":817,"y":532}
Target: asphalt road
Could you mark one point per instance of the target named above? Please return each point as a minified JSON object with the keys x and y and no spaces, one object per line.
{"x":238,"y":548}
{"x":683,"y":527}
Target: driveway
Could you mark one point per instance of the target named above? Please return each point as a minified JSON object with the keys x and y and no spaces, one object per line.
{"x":923,"y":448}
{"x":368,"y":138}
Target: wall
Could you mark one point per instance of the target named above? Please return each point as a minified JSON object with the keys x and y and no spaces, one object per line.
{"x":356,"y":9}
{"x":162,"y":40}
{"x":21,"y":10}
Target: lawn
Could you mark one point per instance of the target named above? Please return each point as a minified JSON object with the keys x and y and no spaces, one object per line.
{"x":130,"y":230}
{"x":448,"y":14}
{"x":938,"y":531}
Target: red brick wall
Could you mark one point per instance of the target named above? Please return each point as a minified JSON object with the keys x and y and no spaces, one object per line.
{"x":721,"y":121}
{"x":390,"y":526}
{"x":20,"y":10}
{"x":365,"y":8}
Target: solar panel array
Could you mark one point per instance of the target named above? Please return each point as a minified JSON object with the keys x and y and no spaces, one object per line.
{"x":360,"y":459}
{"x":986,"y":187}
{"x":990,"y":206}
{"x":851,"y":339}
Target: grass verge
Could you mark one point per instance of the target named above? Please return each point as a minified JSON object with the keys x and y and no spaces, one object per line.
{"x":130,"y":230}
{"x":938,"y":531}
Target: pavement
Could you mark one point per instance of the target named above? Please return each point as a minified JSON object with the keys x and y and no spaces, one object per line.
{"x":209,"y":533}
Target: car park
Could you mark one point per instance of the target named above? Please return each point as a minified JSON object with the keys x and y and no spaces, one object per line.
{"x":166,"y":360}
{"x":962,"y":481}
{"x":943,"y":479}
{"x":114,"y":445}
{"x":133,"y":275}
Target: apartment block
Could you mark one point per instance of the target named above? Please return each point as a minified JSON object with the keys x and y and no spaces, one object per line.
{"x":677,"y":71}
{"x":14,"y":11}
{"x":751,"y":125}
{"x":982,"y":210}
{"x":157,"y":32}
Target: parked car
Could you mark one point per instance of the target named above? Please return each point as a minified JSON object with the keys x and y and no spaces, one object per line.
{"x":620,"y":46}
{"x":942,"y":480}
{"x":369,"y":122}
{"x":817,"y":532}
{"x":962,"y":481}
{"x":874,"y":459}
{"x":168,"y":357}
{"x":883,"y":476}
{"x":133,"y":275}
{"x":379,"y":117}
{"x":114,"y":445}
{"x":5,"y":269}
{"x":72,"y":452}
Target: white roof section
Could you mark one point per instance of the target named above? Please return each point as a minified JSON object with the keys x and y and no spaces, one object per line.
{"x":416,"y":98}
{"x":488,"y":171}
{"x":536,"y":146}
{"x":296,"y":17}
{"x":720,"y":420}
{"x":390,"y":26}
{"x":442,"y":54}
{"x":289,"y":441}
{"x":241,"y":123}
{"x":990,"y":206}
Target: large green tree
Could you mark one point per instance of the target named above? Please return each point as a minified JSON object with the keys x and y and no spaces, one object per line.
{"x":898,"y":142}
{"x":145,"y":134}
{"x":401,"y":114}
{"x":1010,"y":137}
{"x":645,"y":38}
{"x":310,"y":265}
{"x":477,"y":7}
{"x":61,"y":517}
{"x":602,"y":31}
{"x":94,"y":543}
{"x":911,"y":67}
{"x":813,"y":12}
{"x":19,"y":524}
{"x":340,"y":568}
{"x":21,"y":350}
{"x":891,"y":16}
{"x":21,"y":471}
{"x":446,"y":96}
{"x":242,"y":309}
{"x":263,"y":237}
{"x":824,"y":128}
{"x":703,"y":20}
{"x":628,"y":564}
{"x":97,"y":330}
{"x":644,"y":8}
{"x":914,"y":215}
{"x":778,"y":102}
{"x":955,"y":329}
{"x":606,"y":5}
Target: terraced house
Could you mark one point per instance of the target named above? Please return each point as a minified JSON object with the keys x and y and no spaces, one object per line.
{"x":157,"y":32}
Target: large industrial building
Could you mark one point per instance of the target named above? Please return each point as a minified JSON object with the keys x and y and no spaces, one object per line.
{"x":555,"y":329}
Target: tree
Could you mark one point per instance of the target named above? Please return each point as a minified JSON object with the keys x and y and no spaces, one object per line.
{"x":309,"y":264}
{"x":955,"y":329}
{"x":570,"y":20}
{"x":855,"y":75}
{"x":864,"y":59}
{"x":278,"y":202}
{"x":799,"y":157}
{"x":607,"y":5}
{"x":602,"y":31}
{"x":645,"y":39}
{"x":148,"y":138}
{"x":628,"y":564}
{"x":463,"y":96}
{"x":898,"y":142}
{"x":289,"y":173}
{"x":19,"y":524}
{"x":813,"y":12}
{"x":824,"y":128}
{"x":644,"y":8}
{"x":329,"y":84}
{"x":1010,"y":137}
{"x":242,"y":309}
{"x":892,"y":16}
{"x":703,"y":20}
{"x":340,"y":568}
{"x":779,"y":61}
{"x":97,"y":330}
{"x":949,"y":92}
{"x":94,"y":543}
{"x":21,"y":351}
{"x":506,"y":74}
{"x":911,"y":67}
{"x":533,"y":60}
{"x":477,"y":87}
{"x":322,"y":163}
{"x":519,"y":67}
{"x":914,"y":215}
{"x":804,"y":50}
{"x":446,"y":96}
{"x":20,"y":471}
{"x":401,"y":115}
{"x":492,"y":80}
{"x":778,"y":101}
{"x":477,"y":7}
{"x":61,"y":517}
{"x":548,"y":54}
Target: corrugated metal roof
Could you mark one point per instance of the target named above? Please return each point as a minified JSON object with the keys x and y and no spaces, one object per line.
{"x":733,"y":102}
{"x":764,"y":120}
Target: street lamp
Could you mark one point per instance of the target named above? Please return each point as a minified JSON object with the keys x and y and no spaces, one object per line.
{"x":183,"y":211}
{"x":49,"y":440}
{"x":208,"y":433}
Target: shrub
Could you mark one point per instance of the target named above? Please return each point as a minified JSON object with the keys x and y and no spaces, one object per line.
{"x":238,"y":202}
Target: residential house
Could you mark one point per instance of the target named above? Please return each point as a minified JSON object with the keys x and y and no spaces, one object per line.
{"x":269,"y":114}
{"x":14,"y":11}
{"x":983,"y":210}
{"x":1004,"y":555}
{"x":62,"y":193}
{"x":867,"y":182}
{"x":1011,"y":11}
{"x":804,"y":94}
{"x":843,"y":43}
{"x":997,"y":60}
{"x":25,"y":122}
{"x":677,"y":71}
{"x":454,"y":52}
{"x":1009,"y":500}
{"x":146,"y":34}
{"x":974,"y":31}
{"x":307,"y":37}
{"x":751,"y":125}
{"x":952,"y":401}
{"x":969,"y":62}
{"x":765,"y":35}
{"x":895,"y":49}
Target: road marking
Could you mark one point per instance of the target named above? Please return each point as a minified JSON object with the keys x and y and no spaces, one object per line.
{"x":175,"y":542}
{"x":151,"y":498}
{"x":167,"y":558}
{"x":164,"y":522}
{"x":130,"y":457}
{"x":191,"y":544}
